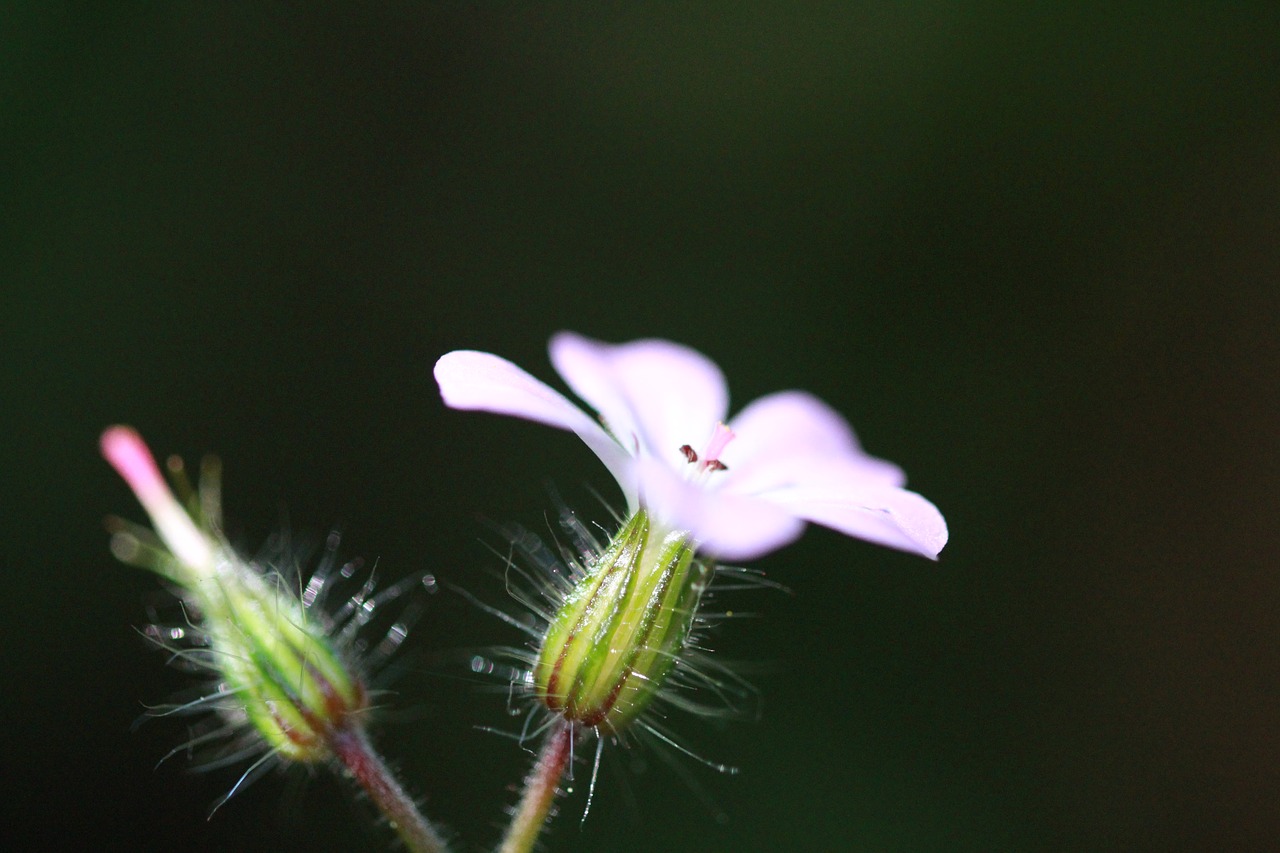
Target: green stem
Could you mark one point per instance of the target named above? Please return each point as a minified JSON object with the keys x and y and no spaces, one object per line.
{"x":353,"y":749}
{"x":540,"y":789}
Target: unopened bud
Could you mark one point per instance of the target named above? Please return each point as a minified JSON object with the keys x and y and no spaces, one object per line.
{"x":293,"y":684}
{"x":277,"y":665}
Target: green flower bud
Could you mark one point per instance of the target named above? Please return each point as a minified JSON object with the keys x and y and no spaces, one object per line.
{"x":283,"y":677}
{"x":293,"y":685}
{"x":276,"y":664}
{"x":620,"y":630}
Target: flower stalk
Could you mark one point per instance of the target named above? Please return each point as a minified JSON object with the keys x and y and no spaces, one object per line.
{"x":352,"y":748}
{"x":540,"y":789}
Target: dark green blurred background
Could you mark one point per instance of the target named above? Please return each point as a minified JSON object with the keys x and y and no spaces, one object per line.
{"x":1033,"y":254}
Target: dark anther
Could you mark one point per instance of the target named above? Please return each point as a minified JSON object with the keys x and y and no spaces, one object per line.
{"x":716,"y":465}
{"x":689,"y":453}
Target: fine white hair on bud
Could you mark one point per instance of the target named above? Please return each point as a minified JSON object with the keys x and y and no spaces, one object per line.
{"x":284,"y":661}
{"x":617,"y":634}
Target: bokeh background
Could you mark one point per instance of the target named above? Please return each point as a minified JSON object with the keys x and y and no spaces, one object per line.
{"x":1030,"y":249}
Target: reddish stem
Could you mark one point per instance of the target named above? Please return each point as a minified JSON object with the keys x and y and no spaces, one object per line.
{"x":355,"y":752}
{"x":540,"y":789}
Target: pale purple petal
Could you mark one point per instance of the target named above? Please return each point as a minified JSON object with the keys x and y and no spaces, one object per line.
{"x":727,"y":527}
{"x":882,"y":514}
{"x":481,"y":381}
{"x":585,"y":366}
{"x":793,"y":418}
{"x":664,"y":394}
{"x":781,"y":436}
{"x":774,"y":474}
{"x":793,"y":458}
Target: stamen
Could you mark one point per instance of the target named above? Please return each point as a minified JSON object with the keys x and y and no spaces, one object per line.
{"x":689,"y":453}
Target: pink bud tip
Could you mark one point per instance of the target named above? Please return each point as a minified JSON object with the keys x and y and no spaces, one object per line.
{"x":128,"y":454}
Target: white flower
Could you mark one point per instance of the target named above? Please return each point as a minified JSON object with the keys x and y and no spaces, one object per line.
{"x":741,"y":488}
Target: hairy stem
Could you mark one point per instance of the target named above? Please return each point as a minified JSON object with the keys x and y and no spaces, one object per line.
{"x":355,"y":752}
{"x":540,"y":788}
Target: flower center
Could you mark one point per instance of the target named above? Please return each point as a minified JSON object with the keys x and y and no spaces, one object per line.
{"x":709,"y":462}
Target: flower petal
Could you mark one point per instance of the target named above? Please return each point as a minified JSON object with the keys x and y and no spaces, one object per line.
{"x":481,"y":381}
{"x":780,"y":436}
{"x":655,"y":395}
{"x":728,"y":527}
{"x":883,"y":514}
